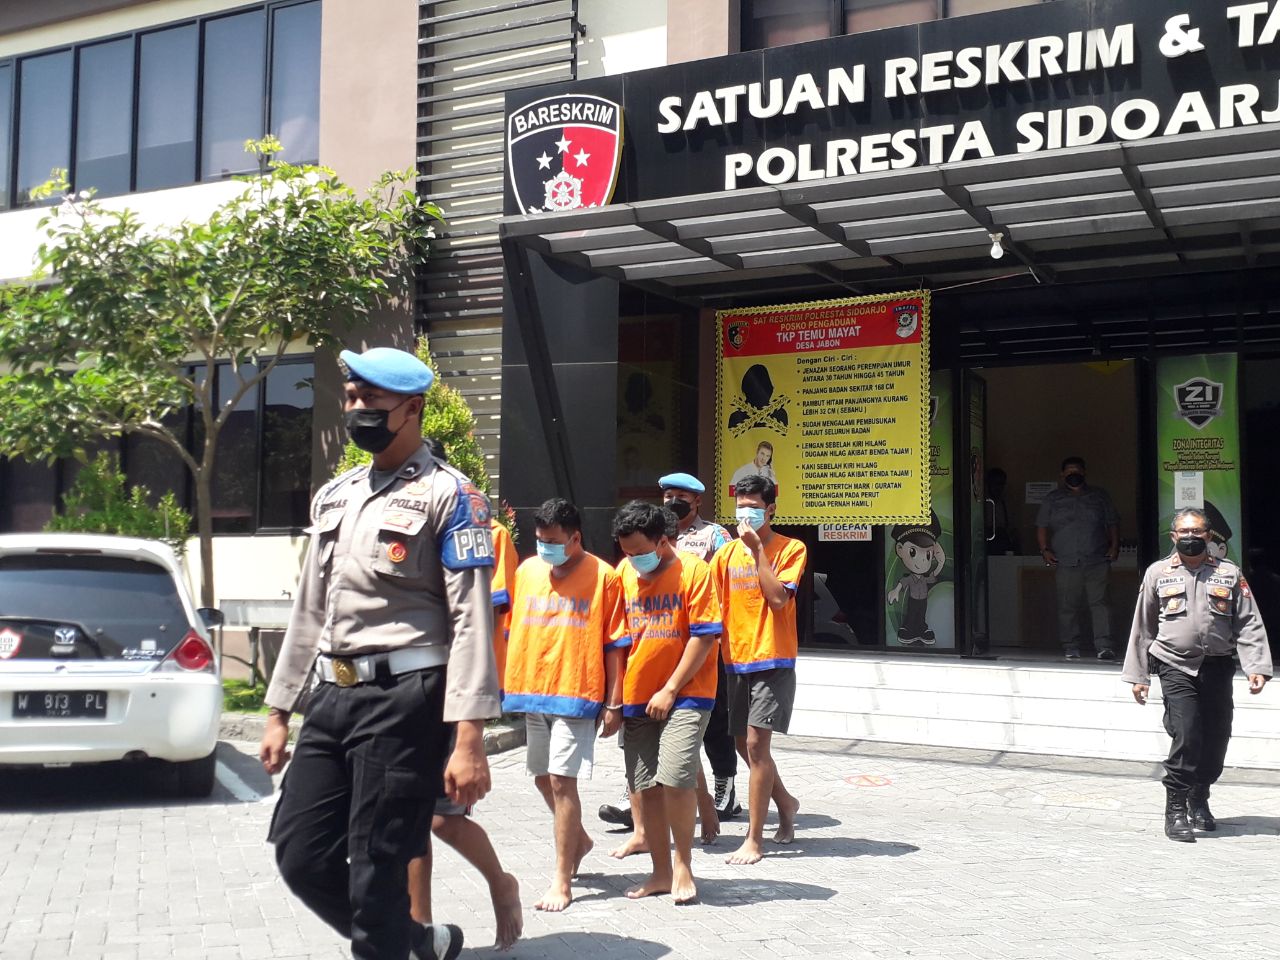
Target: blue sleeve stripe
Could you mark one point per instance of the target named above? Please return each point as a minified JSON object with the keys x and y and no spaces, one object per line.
{"x":759,"y":665}
{"x":706,"y":629}
{"x":695,"y":703}
{"x":501,"y":598}
{"x":791,"y":587}
{"x":618,"y":644}
{"x":576,"y":707}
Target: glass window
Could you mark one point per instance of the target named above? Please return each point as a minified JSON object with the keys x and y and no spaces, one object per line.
{"x":27,"y":493}
{"x":232,"y":110}
{"x":104,"y":117}
{"x":235,"y":466}
{"x":960,"y":8}
{"x":286,"y":446}
{"x":295,"y":81}
{"x":44,"y":120}
{"x":773,"y":23}
{"x":167,"y":108}
{"x":6,"y":124}
{"x":861,"y":15}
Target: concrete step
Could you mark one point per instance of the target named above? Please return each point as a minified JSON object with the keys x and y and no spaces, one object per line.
{"x":1063,"y":709}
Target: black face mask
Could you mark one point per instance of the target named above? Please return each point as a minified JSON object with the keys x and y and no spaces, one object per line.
{"x":1192,"y":546}
{"x":1075,"y":480}
{"x":681,"y":508}
{"x":368,"y":429}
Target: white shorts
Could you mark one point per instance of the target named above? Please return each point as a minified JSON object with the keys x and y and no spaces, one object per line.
{"x":564,"y":746}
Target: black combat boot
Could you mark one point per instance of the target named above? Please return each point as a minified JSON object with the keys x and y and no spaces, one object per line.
{"x":1176,"y":826}
{"x":1198,"y":811}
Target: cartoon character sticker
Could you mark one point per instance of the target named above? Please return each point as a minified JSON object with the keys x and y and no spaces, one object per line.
{"x":919,"y":549}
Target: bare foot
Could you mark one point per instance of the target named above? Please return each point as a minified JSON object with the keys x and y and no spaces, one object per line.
{"x":748,"y":853}
{"x":585,"y":843}
{"x":683,"y":889}
{"x":787,"y":811}
{"x":628,"y":847}
{"x":708,"y":819}
{"x":507,"y":913}
{"x":556,"y":899}
{"x":654,"y":885}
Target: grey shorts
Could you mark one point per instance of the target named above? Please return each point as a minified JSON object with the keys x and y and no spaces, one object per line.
{"x":762,"y":699}
{"x":664,"y":751}
{"x":564,"y":746}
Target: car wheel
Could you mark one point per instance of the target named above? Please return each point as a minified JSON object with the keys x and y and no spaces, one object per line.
{"x":195,"y":777}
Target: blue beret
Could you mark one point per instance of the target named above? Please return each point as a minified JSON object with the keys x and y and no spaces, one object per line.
{"x":681,"y":481}
{"x":388,"y":369}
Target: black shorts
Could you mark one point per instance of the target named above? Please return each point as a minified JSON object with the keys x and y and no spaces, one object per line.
{"x":761,"y":699}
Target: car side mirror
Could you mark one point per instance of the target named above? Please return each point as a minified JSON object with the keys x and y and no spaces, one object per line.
{"x":211,"y":616}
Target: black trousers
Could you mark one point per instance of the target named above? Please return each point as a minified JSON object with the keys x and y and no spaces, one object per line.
{"x":721,"y":750}
{"x":356,"y":804}
{"x":1197,"y":715}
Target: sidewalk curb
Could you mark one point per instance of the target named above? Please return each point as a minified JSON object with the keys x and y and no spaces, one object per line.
{"x":249,"y":727}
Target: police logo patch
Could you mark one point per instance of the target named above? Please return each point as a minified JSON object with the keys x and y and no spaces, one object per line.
{"x":736,"y":334}
{"x":1221,"y":606}
{"x":1198,"y":401}
{"x":1220,"y":591}
{"x":1174,"y":605}
{"x":1244,"y":588}
{"x":478,"y":504}
{"x":417,"y":488}
{"x":563,"y":153}
{"x":907,"y":316}
{"x":397,"y":551}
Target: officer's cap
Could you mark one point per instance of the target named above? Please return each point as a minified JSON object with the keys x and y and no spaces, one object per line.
{"x":921,"y":535}
{"x":1217,"y":522}
{"x":681,"y":481}
{"x":388,"y":369}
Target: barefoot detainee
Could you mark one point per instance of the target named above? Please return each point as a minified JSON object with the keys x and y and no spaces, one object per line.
{"x":564,"y":673}
{"x":755,"y":578}
{"x":669,"y":687}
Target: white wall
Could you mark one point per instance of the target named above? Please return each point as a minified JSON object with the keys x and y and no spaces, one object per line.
{"x":621,"y":37}
{"x":261,"y":567}
{"x":20,"y":233}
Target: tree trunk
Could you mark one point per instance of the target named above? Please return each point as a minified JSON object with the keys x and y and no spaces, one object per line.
{"x":204,"y":526}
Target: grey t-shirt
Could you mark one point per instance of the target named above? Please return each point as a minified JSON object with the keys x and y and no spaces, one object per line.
{"x":1078,"y":525}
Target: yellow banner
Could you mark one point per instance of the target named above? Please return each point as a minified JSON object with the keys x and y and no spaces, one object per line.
{"x":830,"y":400}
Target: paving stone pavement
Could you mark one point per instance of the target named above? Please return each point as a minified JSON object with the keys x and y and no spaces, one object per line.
{"x":902,"y":852}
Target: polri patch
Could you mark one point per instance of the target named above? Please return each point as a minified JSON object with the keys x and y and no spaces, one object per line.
{"x":397,"y":551}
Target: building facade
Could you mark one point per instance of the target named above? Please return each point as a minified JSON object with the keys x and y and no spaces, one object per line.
{"x":772,"y":153}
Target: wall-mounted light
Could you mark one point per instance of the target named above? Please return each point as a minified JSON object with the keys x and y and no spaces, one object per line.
{"x":997,"y":246}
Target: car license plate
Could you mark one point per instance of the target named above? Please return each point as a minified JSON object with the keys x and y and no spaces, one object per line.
{"x":70,"y":704}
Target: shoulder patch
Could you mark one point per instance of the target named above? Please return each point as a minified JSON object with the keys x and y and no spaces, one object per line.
{"x":1244,"y":588}
{"x":467,"y":540}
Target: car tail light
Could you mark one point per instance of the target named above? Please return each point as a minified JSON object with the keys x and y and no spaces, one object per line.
{"x":192,"y":655}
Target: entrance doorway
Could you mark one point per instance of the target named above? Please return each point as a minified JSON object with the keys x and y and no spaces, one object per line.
{"x":1036,"y":417}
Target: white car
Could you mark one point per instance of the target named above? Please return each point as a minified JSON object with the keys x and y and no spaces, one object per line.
{"x":103,"y":656}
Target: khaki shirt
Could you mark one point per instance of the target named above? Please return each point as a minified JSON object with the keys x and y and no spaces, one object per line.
{"x":407,"y":563}
{"x":702,"y":539}
{"x":1186,"y":615}
{"x":1078,"y":525}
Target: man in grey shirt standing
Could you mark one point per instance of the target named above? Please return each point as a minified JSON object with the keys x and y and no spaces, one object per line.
{"x":1079,"y":535}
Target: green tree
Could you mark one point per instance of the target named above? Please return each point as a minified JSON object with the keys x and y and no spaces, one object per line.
{"x":100,"y":501}
{"x":102,"y":341}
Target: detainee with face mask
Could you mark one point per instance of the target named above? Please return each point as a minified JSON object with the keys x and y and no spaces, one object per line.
{"x":565,"y":658}
{"x":669,"y":688}
{"x":1194,"y":614}
{"x":756,"y":578}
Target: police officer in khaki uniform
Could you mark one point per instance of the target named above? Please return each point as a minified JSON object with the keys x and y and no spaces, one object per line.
{"x":394,"y":588}
{"x":1194,"y":612}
